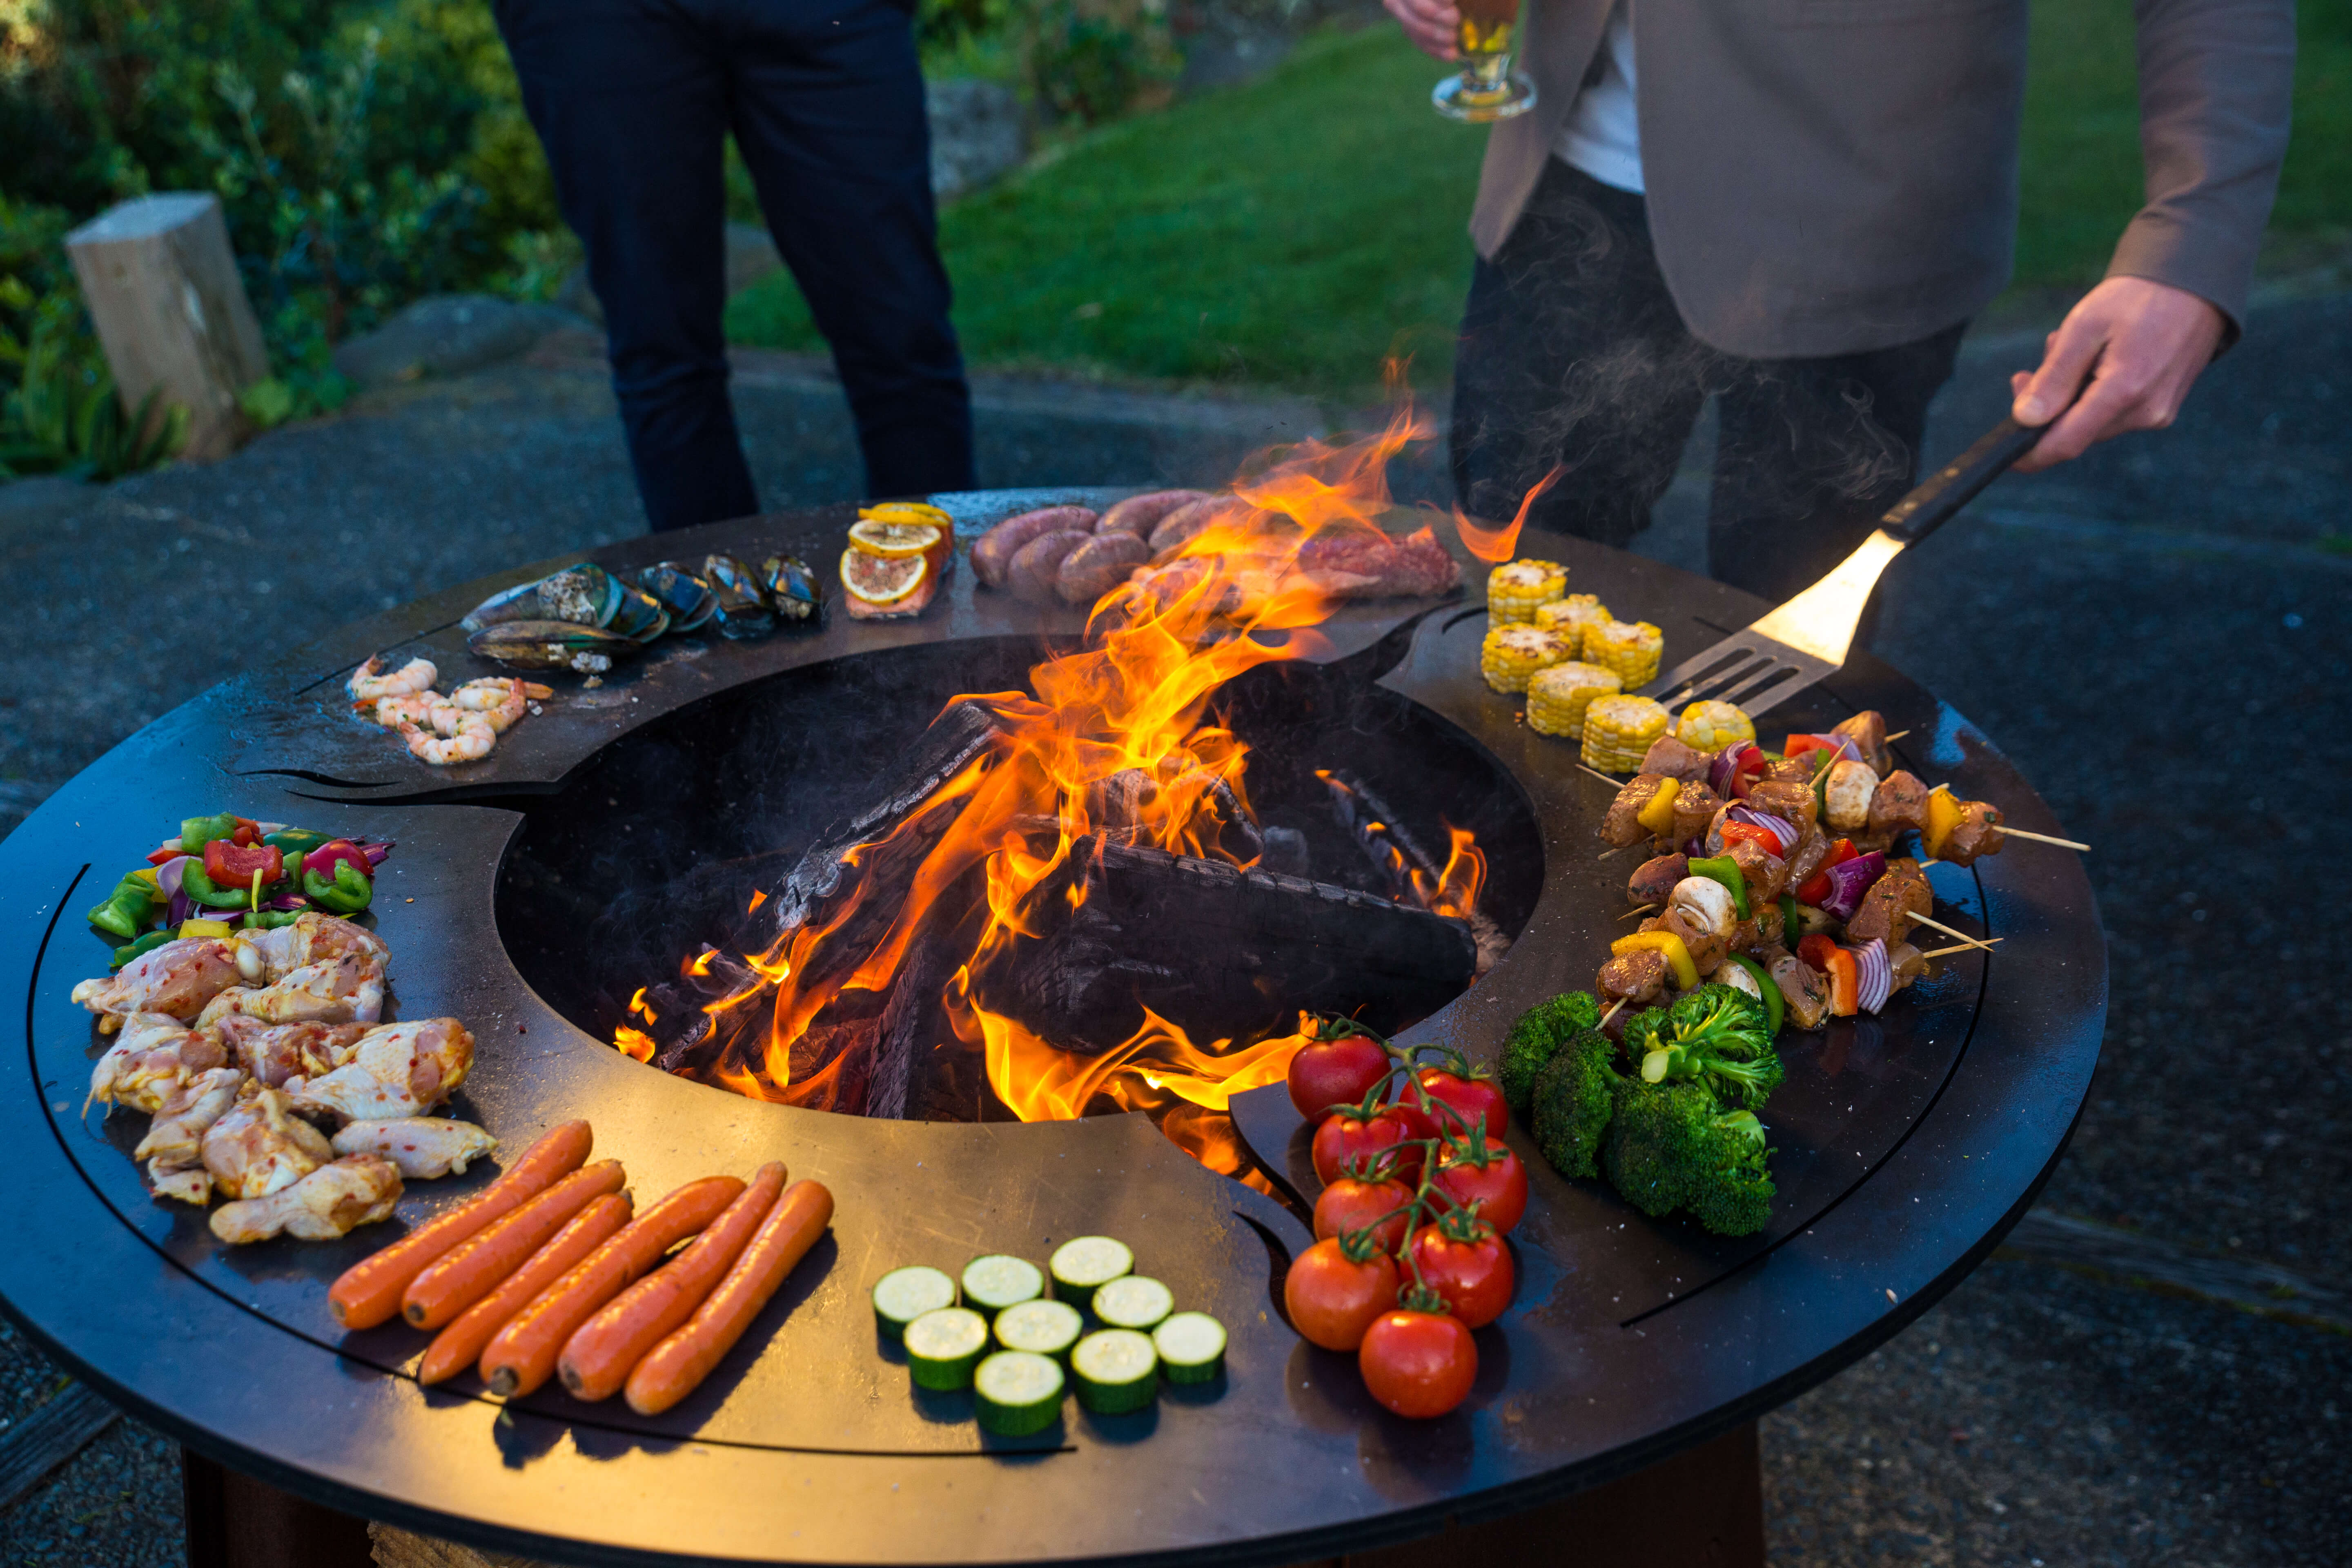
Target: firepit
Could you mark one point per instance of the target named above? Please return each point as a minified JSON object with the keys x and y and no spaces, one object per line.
{"x":534,"y":892}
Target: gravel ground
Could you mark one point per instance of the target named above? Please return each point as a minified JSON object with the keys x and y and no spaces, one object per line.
{"x":2133,"y":630}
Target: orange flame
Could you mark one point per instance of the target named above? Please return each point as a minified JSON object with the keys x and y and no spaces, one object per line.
{"x":633,"y":1042}
{"x":1493,"y":545}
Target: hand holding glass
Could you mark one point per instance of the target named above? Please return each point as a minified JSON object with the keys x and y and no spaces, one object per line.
{"x":1486,"y":89}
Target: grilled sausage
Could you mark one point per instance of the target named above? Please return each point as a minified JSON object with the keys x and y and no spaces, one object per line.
{"x":1139,"y":515}
{"x":1098,"y":565}
{"x":993,"y":552}
{"x":1035,"y":575}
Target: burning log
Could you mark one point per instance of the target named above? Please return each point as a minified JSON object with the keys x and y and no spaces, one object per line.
{"x":1413,"y":874}
{"x":1233,"y":954}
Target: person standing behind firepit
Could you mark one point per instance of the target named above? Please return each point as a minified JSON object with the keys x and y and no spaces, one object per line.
{"x":1797,"y":205}
{"x":633,"y":100}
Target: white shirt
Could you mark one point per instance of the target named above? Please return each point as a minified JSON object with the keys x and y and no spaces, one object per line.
{"x":1603,"y":135}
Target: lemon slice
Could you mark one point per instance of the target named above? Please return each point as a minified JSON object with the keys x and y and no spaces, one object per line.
{"x":906,"y":512}
{"x":890,"y":540}
{"x":882,"y":579}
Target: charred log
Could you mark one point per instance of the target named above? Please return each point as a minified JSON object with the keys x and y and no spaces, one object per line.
{"x":1394,"y":853}
{"x":1232,"y":954}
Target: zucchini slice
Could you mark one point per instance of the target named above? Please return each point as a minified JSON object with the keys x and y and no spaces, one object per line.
{"x":1191,"y":1347}
{"x":905,"y":1294}
{"x":1049,"y":1328}
{"x":994,"y":1282}
{"x":1134,"y":1301}
{"x":1084,"y":1265}
{"x":943,"y":1346}
{"x":1116,"y":1370}
{"x":1017,"y":1393}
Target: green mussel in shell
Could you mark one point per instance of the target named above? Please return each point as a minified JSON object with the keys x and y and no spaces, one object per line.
{"x":793,"y":589}
{"x":520,"y":602}
{"x":743,"y":608}
{"x":585,"y":594}
{"x":690,"y":601}
{"x":641,"y":616}
{"x":553,"y":645}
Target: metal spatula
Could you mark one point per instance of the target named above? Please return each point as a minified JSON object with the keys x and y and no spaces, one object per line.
{"x":1809,"y":637}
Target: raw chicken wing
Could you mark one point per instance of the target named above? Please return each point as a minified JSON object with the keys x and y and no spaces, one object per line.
{"x":259,"y":1146}
{"x":327,"y":1203}
{"x":276,"y":1052}
{"x":400,"y":1070}
{"x":174,"y":1147}
{"x":330,"y":990}
{"x":178,"y":978}
{"x":154,"y":1055}
{"x":265,"y":957}
{"x":422,"y":1146}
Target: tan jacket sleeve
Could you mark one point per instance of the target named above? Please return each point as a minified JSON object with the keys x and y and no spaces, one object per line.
{"x":2216,"y":91}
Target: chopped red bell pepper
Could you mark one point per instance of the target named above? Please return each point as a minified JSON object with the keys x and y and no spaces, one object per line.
{"x":158,"y":857}
{"x":1815,"y":950}
{"x":231,"y":865}
{"x":1798,"y":745}
{"x":1845,"y":984}
{"x":1764,"y":838}
{"x":1752,"y":761}
{"x":322,"y":860}
{"x":1816,"y":887}
{"x":248,"y":832}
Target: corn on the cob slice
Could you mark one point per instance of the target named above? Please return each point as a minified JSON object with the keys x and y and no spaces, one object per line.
{"x":1629,"y":648}
{"x":1618,"y":731}
{"x":1512,"y":653}
{"x":1570,"y":616}
{"x":1516,"y":587}
{"x":1558,"y":694}
{"x":1711,"y":726}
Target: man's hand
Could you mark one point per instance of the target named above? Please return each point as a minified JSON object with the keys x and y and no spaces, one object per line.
{"x":2142,"y":343}
{"x":1430,"y":24}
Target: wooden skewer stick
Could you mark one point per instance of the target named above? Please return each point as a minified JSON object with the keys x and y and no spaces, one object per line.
{"x":1637,"y":909}
{"x":1896,"y":736}
{"x":1963,"y":947}
{"x":2008,"y":832}
{"x":1611,"y":1014}
{"x":1609,"y":854}
{"x":1604,"y":778}
{"x":1937,"y":925}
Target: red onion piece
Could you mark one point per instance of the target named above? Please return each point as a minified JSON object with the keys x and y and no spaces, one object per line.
{"x":1843,"y":745}
{"x":288,"y":902}
{"x":1849,"y":880}
{"x":181,"y":907}
{"x":168,"y":875}
{"x":1777,"y":827}
{"x":1873,"y":974}
{"x":376,"y":852}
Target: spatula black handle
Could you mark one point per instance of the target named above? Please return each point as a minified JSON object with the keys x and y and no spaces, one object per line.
{"x":1958,"y":482}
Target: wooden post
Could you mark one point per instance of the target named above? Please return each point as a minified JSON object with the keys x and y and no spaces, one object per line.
{"x":171,"y":311}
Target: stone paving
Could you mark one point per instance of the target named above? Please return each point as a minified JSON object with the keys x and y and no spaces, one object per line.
{"x":2158,"y":634}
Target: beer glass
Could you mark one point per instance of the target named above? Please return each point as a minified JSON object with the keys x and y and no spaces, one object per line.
{"x":1486,"y":89}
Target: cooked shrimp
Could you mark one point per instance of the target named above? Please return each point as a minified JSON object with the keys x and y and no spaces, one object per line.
{"x":491,"y":690}
{"x":369,"y":679}
{"x":498,"y":702}
{"x":426,"y":709}
{"x":470,"y":742}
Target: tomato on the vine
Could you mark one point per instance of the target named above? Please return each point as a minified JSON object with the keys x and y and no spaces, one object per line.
{"x":1420,"y":1365}
{"x":1349,"y":1204}
{"x":1328,"y":1073}
{"x":1474,"y":1097}
{"x":1332,"y":1299}
{"x":1498,"y":1186}
{"x":1348,"y":1135}
{"x":1472,"y":1270}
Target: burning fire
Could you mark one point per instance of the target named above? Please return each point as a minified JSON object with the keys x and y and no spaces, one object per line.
{"x":1117,"y":741}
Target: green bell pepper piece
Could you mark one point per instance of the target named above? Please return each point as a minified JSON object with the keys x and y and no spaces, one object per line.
{"x":347,"y":894}
{"x":198,"y":831}
{"x":1788,"y":915}
{"x":296,"y":842}
{"x":124,"y":911}
{"x":1722,"y":868}
{"x":270,"y":920}
{"x":202,"y":889}
{"x":1776,"y":1006}
{"x":145,"y":944}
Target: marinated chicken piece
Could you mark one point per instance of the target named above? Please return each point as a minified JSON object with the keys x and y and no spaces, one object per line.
{"x":399,"y":1069}
{"x":153,"y":1055}
{"x":1805,"y":857}
{"x":1707,"y":948}
{"x":1695,"y":809}
{"x":1806,"y":991}
{"x":1736,"y":975}
{"x":1867,"y":730}
{"x":260,"y":1146}
{"x":191,"y":1184}
{"x":177,"y":978}
{"x":1634,"y":978}
{"x":330,"y":990}
{"x":1618,"y":825}
{"x":265,"y":957}
{"x":1767,"y":875}
{"x":1791,"y":802}
{"x":1899,"y":806}
{"x":422,"y":1147}
{"x":1705,"y":904}
{"x":1748,"y":934}
{"x":1655,"y":880}
{"x":174,"y":1138}
{"x":276,"y":1052}
{"x":1847,"y":795}
{"x":1670,"y":758}
{"x":330,"y":1202}
{"x":1892,"y":906}
{"x":226,"y":1005}
{"x":1978,"y":834}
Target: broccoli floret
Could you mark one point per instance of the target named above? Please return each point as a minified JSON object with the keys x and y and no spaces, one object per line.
{"x":1574,"y":1098}
{"x":1536,"y":1038}
{"x":1671,"y":1146}
{"x":1719,"y":1036}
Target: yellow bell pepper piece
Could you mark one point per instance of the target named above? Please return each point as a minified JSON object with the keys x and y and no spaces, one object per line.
{"x":147,"y":875}
{"x":1678,"y":958}
{"x":1943,"y":815}
{"x":1658,"y":817}
{"x":203,"y":928}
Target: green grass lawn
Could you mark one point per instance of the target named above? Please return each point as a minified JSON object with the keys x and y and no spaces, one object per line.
{"x":1295,"y":231}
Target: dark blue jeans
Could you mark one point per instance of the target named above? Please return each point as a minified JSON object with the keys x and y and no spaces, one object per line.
{"x":633,"y":100}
